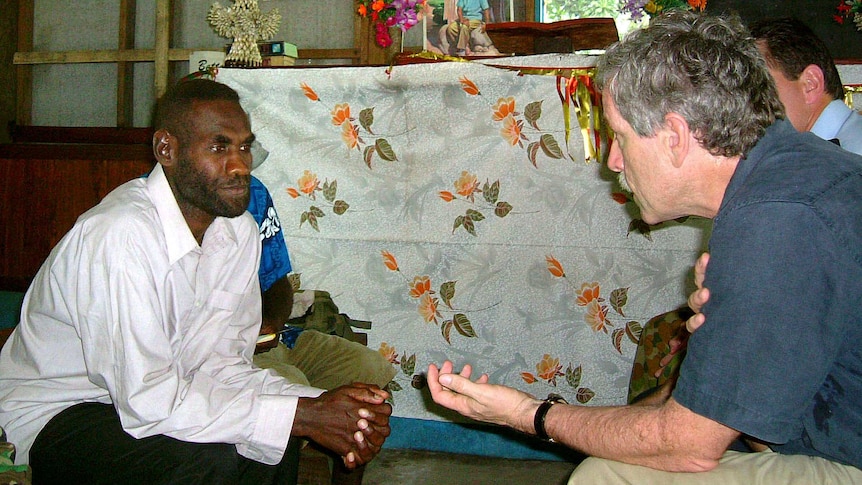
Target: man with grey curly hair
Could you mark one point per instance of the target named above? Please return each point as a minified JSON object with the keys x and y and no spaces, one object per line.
{"x":699,"y":130}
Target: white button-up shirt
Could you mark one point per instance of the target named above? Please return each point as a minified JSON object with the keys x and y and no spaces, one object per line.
{"x":128,"y":309}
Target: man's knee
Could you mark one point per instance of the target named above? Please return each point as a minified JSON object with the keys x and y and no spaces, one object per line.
{"x":590,"y":471}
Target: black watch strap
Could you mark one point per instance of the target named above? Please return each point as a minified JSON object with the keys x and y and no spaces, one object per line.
{"x":541,"y":412}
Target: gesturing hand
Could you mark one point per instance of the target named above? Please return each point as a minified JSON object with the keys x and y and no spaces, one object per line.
{"x":479,"y":400}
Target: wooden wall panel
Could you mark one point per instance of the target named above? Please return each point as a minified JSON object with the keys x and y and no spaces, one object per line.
{"x":42,"y":196}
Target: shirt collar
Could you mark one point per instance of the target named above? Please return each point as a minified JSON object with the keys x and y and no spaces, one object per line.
{"x":178,"y":236}
{"x":831,"y":120}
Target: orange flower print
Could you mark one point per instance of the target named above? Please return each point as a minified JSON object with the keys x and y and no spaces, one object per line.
{"x":597,"y":316}
{"x":528,"y":378}
{"x":549,"y":368}
{"x":420,"y":286}
{"x":340,"y":114}
{"x":469,"y":86}
{"x":389,"y":260}
{"x":588,"y":293}
{"x":697,"y":4}
{"x":447,"y":196}
{"x":511,"y":130}
{"x":309,"y":93}
{"x":363,"y":10}
{"x":466,"y":185}
{"x":350,"y":135}
{"x":308,"y":183}
{"x":378,"y":5}
{"x":292,"y":192}
{"x":388,"y":352}
{"x":428,"y":308}
{"x":504,"y":108}
{"x":554,"y":267}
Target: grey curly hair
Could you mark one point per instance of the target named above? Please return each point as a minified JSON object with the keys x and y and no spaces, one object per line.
{"x":705,"y":68}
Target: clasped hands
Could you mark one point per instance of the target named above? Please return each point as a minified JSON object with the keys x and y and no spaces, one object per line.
{"x":352,"y":421}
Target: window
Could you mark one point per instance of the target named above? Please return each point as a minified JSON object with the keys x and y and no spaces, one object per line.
{"x":554,"y":10}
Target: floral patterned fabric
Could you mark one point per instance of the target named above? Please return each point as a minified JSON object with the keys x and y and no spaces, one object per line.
{"x":460,"y":207}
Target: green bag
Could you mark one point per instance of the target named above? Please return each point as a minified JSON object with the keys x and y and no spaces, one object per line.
{"x":323,"y":316}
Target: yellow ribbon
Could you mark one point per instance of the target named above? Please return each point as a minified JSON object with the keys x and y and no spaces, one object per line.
{"x":849,"y":91}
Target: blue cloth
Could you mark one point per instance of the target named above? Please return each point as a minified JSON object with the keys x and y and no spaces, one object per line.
{"x":472,"y":9}
{"x":274,"y":258}
{"x":840,"y":122}
{"x":779,"y":357}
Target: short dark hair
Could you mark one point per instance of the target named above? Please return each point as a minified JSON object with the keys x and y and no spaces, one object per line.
{"x":174,"y":106}
{"x":792,"y":46}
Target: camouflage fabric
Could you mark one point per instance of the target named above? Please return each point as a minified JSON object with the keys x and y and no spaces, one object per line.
{"x":11,"y":474}
{"x":653,"y":345}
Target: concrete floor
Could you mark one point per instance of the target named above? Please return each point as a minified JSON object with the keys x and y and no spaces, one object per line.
{"x":408,"y":467}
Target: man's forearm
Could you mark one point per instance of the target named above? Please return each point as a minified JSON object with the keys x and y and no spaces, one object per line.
{"x":665,"y":437}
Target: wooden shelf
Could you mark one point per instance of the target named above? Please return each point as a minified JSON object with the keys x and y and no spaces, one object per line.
{"x":525,"y":38}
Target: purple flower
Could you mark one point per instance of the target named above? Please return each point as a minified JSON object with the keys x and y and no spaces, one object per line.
{"x":405,"y":13}
{"x":635,"y":8}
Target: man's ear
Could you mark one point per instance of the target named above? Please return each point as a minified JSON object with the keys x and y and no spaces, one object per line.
{"x":677,"y":137}
{"x":164,"y":147}
{"x":813,"y":83}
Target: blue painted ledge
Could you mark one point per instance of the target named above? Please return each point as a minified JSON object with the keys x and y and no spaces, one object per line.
{"x":473,"y":439}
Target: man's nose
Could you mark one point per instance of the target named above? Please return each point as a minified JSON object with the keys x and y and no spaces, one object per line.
{"x":615,"y":158}
{"x":239,"y":162}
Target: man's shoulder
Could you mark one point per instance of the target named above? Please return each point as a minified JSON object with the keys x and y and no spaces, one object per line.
{"x":839,"y":122}
{"x":127,"y":203}
{"x":802,"y":166}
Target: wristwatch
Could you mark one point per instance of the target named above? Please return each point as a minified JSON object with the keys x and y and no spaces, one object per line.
{"x":539,"y":418}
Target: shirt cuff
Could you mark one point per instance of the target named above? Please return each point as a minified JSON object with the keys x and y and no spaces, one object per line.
{"x":274,"y":425}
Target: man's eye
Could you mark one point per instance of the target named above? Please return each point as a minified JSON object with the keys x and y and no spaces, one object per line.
{"x":245,"y":148}
{"x":217,"y":148}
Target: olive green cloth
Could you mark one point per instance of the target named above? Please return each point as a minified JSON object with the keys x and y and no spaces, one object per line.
{"x":324,"y":316}
{"x":327,"y":361}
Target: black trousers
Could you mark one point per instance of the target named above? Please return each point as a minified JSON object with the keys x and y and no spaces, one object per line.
{"x":86,"y":444}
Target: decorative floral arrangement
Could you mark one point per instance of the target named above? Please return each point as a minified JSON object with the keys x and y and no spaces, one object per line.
{"x":384,"y":14}
{"x":247,"y":25}
{"x":638,"y":8}
{"x":847,"y":9}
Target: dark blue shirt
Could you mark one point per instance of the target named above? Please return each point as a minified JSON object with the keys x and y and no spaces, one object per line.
{"x":779,"y":357}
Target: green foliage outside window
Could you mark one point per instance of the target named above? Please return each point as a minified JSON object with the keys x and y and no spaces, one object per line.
{"x":572,"y":9}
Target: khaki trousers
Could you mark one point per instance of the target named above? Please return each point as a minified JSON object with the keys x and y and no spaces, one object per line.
{"x":735,"y":468}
